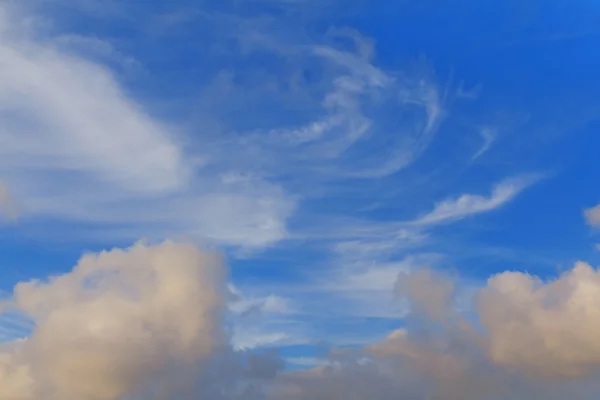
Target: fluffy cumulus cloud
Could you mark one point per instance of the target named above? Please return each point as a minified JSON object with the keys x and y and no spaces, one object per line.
{"x":544,"y":329}
{"x":146,"y":321}
{"x":523,"y":338}
{"x":150,"y":322}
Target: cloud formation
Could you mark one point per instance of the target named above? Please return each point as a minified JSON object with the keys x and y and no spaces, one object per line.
{"x":592,"y":216}
{"x":79,"y":148}
{"x":266,"y":145}
{"x":468,"y":204}
{"x":342,"y":133}
{"x":524,"y":338}
{"x":544,"y":329}
{"x":149,"y":322}
{"x":488,"y":135}
{"x":121,"y":323}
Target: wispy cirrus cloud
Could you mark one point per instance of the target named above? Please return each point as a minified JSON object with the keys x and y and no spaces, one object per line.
{"x":468,"y":205}
{"x":80,"y":147}
{"x":77,"y":147}
{"x":488,"y":136}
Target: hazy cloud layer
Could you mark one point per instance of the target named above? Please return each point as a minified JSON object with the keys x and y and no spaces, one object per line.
{"x":8,"y":207}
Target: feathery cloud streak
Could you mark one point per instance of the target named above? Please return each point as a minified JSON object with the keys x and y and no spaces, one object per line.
{"x":468,"y":204}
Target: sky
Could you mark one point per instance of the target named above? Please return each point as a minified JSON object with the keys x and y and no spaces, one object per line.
{"x":299,"y":199}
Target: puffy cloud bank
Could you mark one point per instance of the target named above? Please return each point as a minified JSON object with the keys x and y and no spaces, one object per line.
{"x":523,"y":338}
{"x":146,"y":322}
{"x":149,"y":322}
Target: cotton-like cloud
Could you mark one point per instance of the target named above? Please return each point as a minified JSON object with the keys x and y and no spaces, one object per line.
{"x":144,"y":321}
{"x":468,"y":204}
{"x":525,"y":338}
{"x":592,"y":216}
{"x":546,"y":329}
{"x":148,"y":322}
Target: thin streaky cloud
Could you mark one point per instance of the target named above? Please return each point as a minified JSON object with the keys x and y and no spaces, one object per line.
{"x":468,"y":205}
{"x":488,"y":135}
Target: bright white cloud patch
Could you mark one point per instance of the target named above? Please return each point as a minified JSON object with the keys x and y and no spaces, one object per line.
{"x":70,"y":115}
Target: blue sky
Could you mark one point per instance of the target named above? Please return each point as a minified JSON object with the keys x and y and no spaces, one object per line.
{"x":324,"y":147}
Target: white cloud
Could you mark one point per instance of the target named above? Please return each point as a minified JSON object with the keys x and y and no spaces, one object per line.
{"x":360,"y":108}
{"x":592,"y":216}
{"x":259,"y":320}
{"x":488,"y":135}
{"x":80,"y":148}
{"x":69,"y":115}
{"x":77,"y":147}
{"x":363,"y":287}
{"x":469,"y":204}
{"x":271,"y":304}
{"x":147,"y":321}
